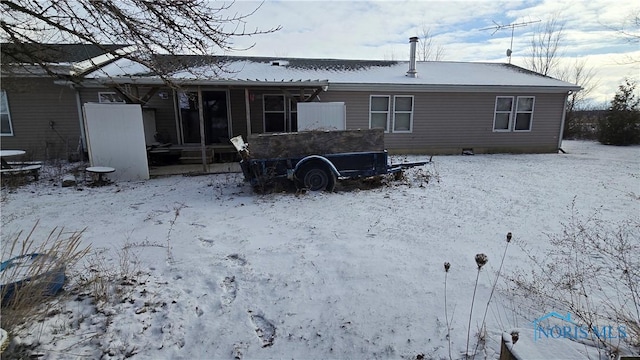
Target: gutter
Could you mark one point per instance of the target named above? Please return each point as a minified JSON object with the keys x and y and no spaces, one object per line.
{"x":449,"y":88}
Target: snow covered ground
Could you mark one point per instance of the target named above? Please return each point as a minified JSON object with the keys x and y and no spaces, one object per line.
{"x":225,"y":273}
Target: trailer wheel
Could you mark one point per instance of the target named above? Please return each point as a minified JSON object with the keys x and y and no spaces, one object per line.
{"x":316,"y":177}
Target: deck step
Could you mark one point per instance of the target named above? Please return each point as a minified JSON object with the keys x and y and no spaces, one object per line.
{"x":195,"y":159}
{"x":194,"y":156}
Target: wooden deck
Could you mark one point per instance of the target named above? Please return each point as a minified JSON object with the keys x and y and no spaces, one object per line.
{"x":194,"y":169}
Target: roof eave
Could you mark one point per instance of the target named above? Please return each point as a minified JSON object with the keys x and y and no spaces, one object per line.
{"x":31,"y":71}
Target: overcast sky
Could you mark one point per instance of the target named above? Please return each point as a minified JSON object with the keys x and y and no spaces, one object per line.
{"x":381,"y":30}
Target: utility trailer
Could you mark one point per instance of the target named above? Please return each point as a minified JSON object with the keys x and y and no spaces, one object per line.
{"x":315,"y":160}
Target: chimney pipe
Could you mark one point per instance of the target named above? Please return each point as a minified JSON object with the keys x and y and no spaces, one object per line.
{"x":412,"y":57}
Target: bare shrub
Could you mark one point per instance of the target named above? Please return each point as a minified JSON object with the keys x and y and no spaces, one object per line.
{"x":592,"y":270}
{"x":106,"y":282}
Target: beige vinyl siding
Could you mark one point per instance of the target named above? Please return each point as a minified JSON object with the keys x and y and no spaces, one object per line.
{"x":238,"y":116}
{"x":33,"y":104}
{"x":165,"y":113}
{"x":450,"y":122}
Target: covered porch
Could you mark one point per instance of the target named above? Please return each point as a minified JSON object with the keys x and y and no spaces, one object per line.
{"x":192,"y":124}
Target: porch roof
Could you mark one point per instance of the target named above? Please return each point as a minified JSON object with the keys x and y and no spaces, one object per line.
{"x":39,"y":59}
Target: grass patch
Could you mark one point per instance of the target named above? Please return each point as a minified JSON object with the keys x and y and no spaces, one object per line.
{"x":29,"y":299}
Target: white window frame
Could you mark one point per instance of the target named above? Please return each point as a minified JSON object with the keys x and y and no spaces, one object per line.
{"x":265,"y":111}
{"x":388,"y":111}
{"x":518,"y":111}
{"x":103,"y":97}
{"x":496,"y":112}
{"x":513,"y":113}
{"x":5,"y":100}
{"x":410,"y":112}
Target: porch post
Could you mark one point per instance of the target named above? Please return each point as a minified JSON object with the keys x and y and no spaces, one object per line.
{"x":203,"y":149}
{"x":247,"y":110}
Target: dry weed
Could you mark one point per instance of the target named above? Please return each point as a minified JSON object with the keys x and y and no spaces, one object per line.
{"x":29,"y":278}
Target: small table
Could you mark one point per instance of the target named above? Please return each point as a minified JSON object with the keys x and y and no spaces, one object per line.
{"x":100,"y":170}
{"x":9,"y":153}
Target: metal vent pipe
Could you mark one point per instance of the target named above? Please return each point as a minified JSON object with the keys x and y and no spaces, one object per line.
{"x":413,"y":41}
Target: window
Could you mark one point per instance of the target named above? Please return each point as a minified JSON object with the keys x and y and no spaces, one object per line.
{"x":524,"y":113}
{"x":502,"y":117}
{"x":109,"y":97}
{"x":402,"y":113}
{"x":379,"y":112}
{"x":508,"y":117}
{"x":274,"y":113}
{"x":5,"y":117}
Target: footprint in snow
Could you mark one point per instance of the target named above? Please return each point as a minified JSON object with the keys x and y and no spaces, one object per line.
{"x":265,"y":330}
{"x":206,"y":242}
{"x":238,"y":350}
{"x":237,"y":259}
{"x":230,"y":288}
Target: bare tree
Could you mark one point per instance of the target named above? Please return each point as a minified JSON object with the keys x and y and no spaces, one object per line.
{"x":545,"y":45}
{"x":545,"y":52}
{"x":581,"y":74}
{"x":630,"y":28}
{"x":171,"y":27}
{"x":629,"y":31}
{"x":389,"y":55}
{"x":427,"y":50}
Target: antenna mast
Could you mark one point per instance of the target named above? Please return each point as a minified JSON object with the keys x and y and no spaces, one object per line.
{"x":497,"y":27}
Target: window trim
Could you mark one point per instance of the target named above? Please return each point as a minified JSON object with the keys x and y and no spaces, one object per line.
{"x":115,"y":96}
{"x":5,"y":99}
{"x":496,"y":112}
{"x":388,"y":111}
{"x":283,"y":112}
{"x":293,"y":109}
{"x":393,"y":129}
{"x":514,"y":112}
{"x":517,"y":111}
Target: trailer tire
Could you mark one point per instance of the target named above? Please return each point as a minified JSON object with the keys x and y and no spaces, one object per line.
{"x":317,"y":177}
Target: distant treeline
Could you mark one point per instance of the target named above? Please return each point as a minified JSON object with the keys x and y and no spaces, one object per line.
{"x":583,"y":124}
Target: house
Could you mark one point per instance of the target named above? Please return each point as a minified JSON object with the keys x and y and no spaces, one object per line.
{"x":424,"y":107}
{"x":40,"y":112}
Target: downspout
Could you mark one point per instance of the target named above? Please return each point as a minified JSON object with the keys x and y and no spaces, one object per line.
{"x":81,"y":120}
{"x":564,"y":115}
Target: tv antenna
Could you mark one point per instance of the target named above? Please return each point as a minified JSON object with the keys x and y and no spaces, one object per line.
{"x":497,"y":27}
